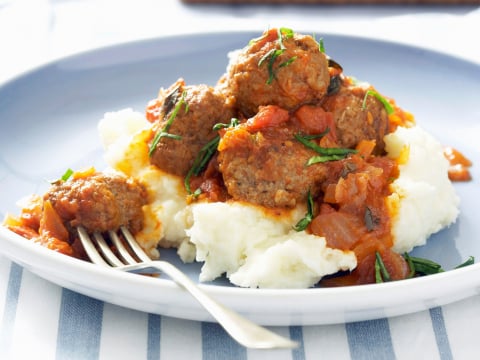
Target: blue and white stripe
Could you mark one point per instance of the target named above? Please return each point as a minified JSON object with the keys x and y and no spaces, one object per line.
{"x":43,"y":321}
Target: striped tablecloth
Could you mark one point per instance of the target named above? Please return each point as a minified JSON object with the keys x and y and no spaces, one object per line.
{"x":40,"y":320}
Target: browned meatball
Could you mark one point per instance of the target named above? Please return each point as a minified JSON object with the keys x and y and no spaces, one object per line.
{"x":262,"y":162}
{"x":286,"y":72}
{"x":187,"y":115}
{"x":355,"y":122}
{"x":99,"y":202}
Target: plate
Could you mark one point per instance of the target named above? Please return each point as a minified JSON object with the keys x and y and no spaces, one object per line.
{"x":49,"y":122}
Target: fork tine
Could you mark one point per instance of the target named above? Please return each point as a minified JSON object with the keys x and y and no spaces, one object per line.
{"x":108,"y":254}
{"x":100,"y":254}
{"x":241,"y":329}
{"x":134,"y":245}
{"x":90,"y":249}
{"x":122,"y":250}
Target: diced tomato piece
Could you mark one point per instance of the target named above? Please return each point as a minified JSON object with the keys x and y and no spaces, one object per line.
{"x":152,"y":113}
{"x":267,"y":116}
{"x":315,"y":120}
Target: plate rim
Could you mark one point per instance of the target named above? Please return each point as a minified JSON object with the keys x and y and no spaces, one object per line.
{"x":215,"y":32}
{"x":463,"y":282}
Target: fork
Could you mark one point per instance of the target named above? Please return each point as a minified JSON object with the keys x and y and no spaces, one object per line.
{"x":244,"y":331}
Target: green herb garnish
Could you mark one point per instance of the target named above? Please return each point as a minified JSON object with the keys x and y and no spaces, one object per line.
{"x":420,"y":266}
{"x":233,"y":123}
{"x":273,"y":54}
{"x":164,"y":132}
{"x":204,"y":156}
{"x":307,"y":219}
{"x":321,"y":45}
{"x":469,"y":261}
{"x":323,"y":158}
{"x":201,"y":160}
{"x":67,"y":174}
{"x":326,"y":154}
{"x":288,"y":62}
{"x":386,"y":104}
{"x":381,"y":272}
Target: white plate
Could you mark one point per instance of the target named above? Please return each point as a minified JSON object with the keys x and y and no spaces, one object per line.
{"x":48,"y":123}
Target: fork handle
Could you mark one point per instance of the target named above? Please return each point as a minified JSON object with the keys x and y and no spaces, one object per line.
{"x":244,"y":331}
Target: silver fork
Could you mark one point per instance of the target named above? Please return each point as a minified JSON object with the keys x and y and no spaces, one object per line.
{"x":241,"y":329}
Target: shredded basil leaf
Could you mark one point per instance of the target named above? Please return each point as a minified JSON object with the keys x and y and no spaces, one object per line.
{"x":288,"y":62}
{"x":201,"y":160}
{"x":321,"y":45}
{"x":307,"y":219}
{"x":411,"y":266}
{"x":67,"y":174}
{"x":204,"y":156}
{"x":233,"y":123}
{"x":469,"y":261}
{"x":273,"y":54}
{"x":322,"y":150}
{"x":423,"y":266}
{"x":420,"y":266}
{"x":315,"y":136}
{"x":326,"y":154}
{"x":289,"y":33}
{"x":386,"y":104}
{"x":164,"y":132}
{"x":323,"y":158}
{"x":381,"y":272}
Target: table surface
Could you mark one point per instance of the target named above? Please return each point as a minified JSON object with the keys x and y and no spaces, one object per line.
{"x":40,"y":320}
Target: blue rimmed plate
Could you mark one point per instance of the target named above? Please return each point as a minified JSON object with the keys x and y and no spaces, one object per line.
{"x":49,"y":122}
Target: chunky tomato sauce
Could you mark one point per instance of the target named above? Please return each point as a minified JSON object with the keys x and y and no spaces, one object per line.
{"x":353,"y":215}
{"x":350,"y":210}
{"x":39,"y":222}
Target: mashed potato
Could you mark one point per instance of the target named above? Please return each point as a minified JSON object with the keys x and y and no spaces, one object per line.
{"x":256,"y":248}
{"x":423,"y":197}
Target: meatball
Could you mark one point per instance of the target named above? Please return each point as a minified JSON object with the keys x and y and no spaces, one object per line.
{"x":186,"y":119}
{"x":99,"y":202}
{"x":279,"y":68}
{"x":355,"y":121}
{"x":262,"y":163}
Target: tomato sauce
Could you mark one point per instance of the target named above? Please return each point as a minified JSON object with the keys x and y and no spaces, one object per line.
{"x":40,"y":223}
{"x":459,"y":169}
{"x":351,"y":211}
{"x":353,"y":215}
